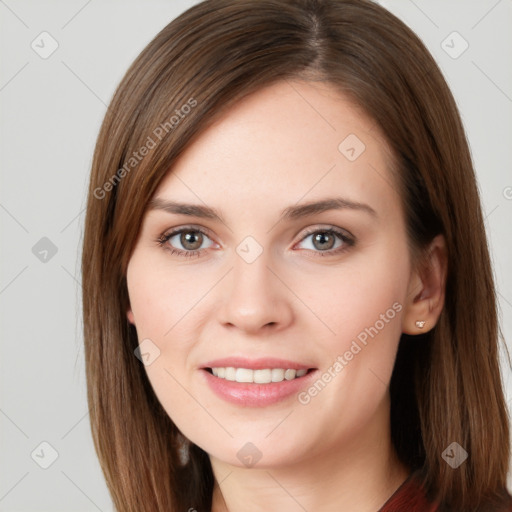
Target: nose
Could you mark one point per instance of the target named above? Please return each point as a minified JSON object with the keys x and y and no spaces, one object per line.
{"x":254,"y":299}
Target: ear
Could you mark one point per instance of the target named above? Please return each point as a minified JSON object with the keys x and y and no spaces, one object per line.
{"x":426,"y":291}
{"x":129,"y":315}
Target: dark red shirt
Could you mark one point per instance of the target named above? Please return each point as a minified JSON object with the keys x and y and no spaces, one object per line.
{"x":411,"y":497}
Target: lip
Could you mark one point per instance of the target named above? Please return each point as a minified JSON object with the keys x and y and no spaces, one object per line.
{"x":256,"y":395}
{"x":256,"y":364}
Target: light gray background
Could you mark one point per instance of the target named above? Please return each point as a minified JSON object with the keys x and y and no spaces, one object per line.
{"x":51,"y":113}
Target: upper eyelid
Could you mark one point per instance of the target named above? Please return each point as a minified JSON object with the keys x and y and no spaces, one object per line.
{"x":171,"y":233}
{"x":334,"y":229}
{"x":176,"y":231}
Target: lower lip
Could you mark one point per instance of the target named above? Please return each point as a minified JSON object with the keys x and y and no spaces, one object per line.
{"x":256,"y":395}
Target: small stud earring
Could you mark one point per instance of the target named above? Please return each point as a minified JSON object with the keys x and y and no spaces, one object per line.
{"x":420,"y":324}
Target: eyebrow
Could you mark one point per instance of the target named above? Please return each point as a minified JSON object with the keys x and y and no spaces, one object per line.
{"x":290,"y":213}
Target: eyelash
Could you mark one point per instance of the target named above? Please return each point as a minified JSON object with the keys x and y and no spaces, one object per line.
{"x":348,"y":241}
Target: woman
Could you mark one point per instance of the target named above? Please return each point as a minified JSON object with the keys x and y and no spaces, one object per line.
{"x":288,"y":299}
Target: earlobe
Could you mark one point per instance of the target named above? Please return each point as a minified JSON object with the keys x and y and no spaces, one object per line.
{"x":129,"y":315}
{"x":425,"y":299}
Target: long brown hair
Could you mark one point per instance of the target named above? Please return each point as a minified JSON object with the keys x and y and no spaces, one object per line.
{"x":445,"y":387}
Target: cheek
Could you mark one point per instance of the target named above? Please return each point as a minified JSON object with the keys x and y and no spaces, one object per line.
{"x":163,"y":303}
{"x":161,"y":296}
{"x":362,"y":304}
{"x":368,"y":291}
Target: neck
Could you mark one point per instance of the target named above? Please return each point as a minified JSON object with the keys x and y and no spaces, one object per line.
{"x":359,"y":475}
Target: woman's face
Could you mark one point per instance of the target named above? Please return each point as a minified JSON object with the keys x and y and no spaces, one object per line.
{"x":292,"y":259}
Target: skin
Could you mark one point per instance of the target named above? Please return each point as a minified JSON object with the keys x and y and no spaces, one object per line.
{"x":274,"y":149}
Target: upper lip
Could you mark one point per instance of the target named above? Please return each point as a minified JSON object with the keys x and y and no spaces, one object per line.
{"x":255,"y":364}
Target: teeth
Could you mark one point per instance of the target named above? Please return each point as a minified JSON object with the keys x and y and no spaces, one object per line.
{"x":290,"y":374}
{"x":264,"y":376}
{"x":244,"y":375}
{"x":230,"y":373}
{"x":277,"y":375}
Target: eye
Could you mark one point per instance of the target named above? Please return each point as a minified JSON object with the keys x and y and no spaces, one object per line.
{"x":189,"y":241}
{"x":327,"y":241}
{"x":186,"y":241}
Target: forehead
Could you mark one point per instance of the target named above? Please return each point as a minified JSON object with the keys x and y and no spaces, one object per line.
{"x":288,"y":142}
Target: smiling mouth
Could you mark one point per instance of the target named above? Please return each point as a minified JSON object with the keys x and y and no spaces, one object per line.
{"x":260,"y":376}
